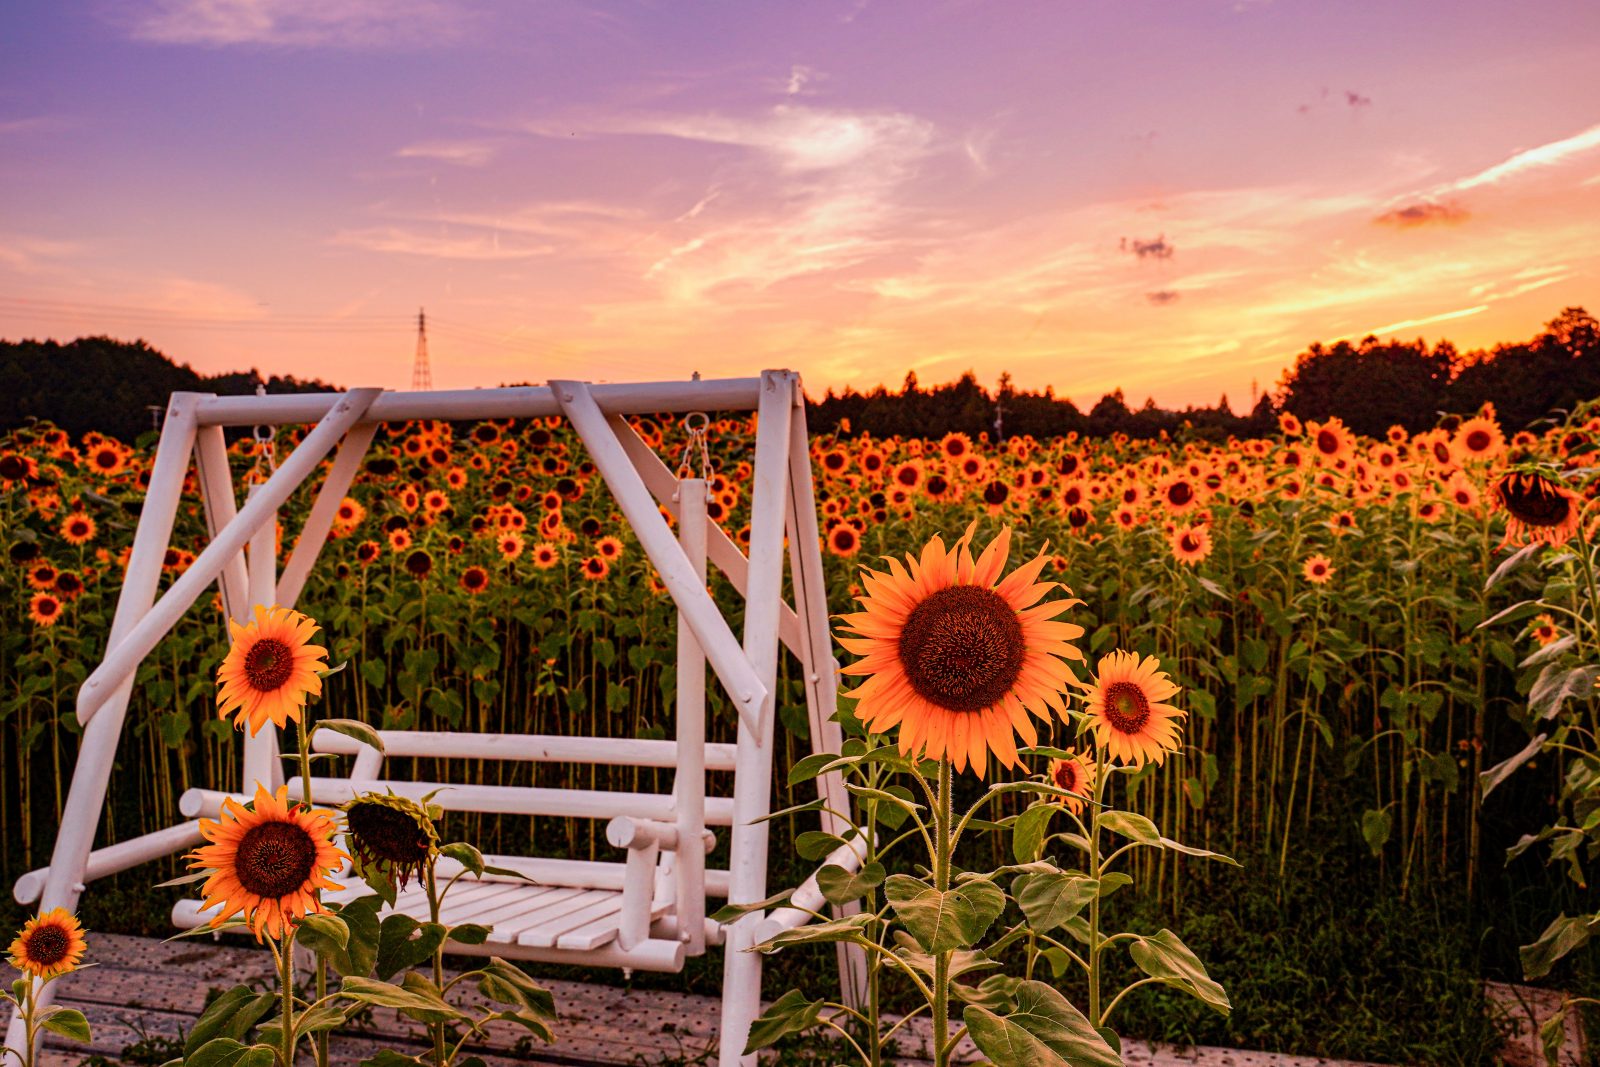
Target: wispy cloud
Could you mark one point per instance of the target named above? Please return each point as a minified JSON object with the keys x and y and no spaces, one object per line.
{"x":413,"y":242}
{"x":461,"y":153}
{"x":1534,"y":159}
{"x":32,"y":124}
{"x":296,"y":23}
{"x":1407,"y":324}
{"x":1163,"y":296}
{"x":25,"y":254}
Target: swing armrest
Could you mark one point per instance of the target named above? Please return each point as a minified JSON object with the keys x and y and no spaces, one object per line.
{"x":808,"y":898}
{"x":626,"y":831}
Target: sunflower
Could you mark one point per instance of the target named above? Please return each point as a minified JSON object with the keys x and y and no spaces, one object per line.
{"x":510,"y":545}
{"x":42,"y":576}
{"x":268,"y":861}
{"x":390,"y":837}
{"x":1332,"y":439}
{"x":50,"y":944}
{"x":844,"y":540}
{"x":1075,"y":774}
{"x":609,"y":548}
{"x":1317,"y":570}
{"x":349,"y":514}
{"x":545,"y":555}
{"x":16,"y":469}
{"x":1126,"y":709}
{"x":419,"y":564}
{"x":1179,"y":494}
{"x":270,"y":669}
{"x":77,"y":529}
{"x":1290,"y":425}
{"x":474,"y":580}
{"x":958,"y":657}
{"x":1191,"y":544}
{"x":44,"y":609}
{"x":1479,"y":438}
{"x":367,"y":552}
{"x":1537,"y":508}
{"x":594,"y":568}
{"x":1545,"y":630}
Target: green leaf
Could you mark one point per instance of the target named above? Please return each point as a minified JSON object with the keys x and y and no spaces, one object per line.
{"x":506,"y":983}
{"x":810,"y":766}
{"x":403,"y":943}
{"x":68,"y":1023}
{"x":815,"y":844}
{"x":1559,"y":938}
{"x":352,"y":728}
{"x":325,"y":1016}
{"x":323,"y":933}
{"x":1132,"y":826}
{"x":360,"y":953}
{"x":466,"y":855}
{"x":1554,"y":687}
{"x":1043,"y":1030}
{"x":226,"y":1052}
{"x":1376,"y":826}
{"x":470,"y":933}
{"x":791,"y":1013}
{"x":956,"y":918}
{"x":851,"y":928}
{"x":423,"y":1006}
{"x":232,"y":1015}
{"x":1511,"y":563}
{"x":1164,"y":956}
{"x":729,"y":912}
{"x":390,"y":1058}
{"x":840,"y":886}
{"x":1050,"y":899}
{"x":1029,"y":831}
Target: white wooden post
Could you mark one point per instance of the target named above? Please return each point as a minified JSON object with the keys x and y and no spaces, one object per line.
{"x":314,"y":534}
{"x":262,"y":762}
{"x":689,"y":784}
{"x":752,"y":787}
{"x":86,"y":798}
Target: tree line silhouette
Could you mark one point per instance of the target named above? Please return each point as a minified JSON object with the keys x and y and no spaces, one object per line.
{"x":97,"y":383}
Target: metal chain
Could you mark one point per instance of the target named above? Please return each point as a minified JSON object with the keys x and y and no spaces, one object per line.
{"x":264,"y":446}
{"x":698,"y":425}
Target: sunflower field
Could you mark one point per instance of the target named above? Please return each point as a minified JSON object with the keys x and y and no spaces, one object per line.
{"x":1318,"y":596}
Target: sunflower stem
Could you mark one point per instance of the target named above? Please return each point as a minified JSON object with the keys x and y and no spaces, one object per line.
{"x":941,"y":882}
{"x":286,"y":983}
{"x":438,"y":963}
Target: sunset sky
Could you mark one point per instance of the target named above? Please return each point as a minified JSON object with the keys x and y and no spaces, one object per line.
{"x":1174,"y":198}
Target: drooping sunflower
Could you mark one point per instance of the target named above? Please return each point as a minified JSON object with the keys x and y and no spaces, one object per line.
{"x":391,"y":837}
{"x":956,"y":656}
{"x":270,"y":669}
{"x":1127,"y":709}
{"x":50,"y":944}
{"x":1537,"y":508}
{"x":1076,"y":775}
{"x":269,"y":861}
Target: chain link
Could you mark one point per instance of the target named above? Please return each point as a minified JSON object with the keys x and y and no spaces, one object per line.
{"x":698,"y":426}
{"x":264,"y":449}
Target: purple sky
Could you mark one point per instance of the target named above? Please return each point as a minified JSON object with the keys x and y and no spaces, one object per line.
{"x":1172,"y":197}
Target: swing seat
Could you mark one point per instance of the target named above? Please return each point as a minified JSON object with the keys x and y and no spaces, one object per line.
{"x":620,"y":913}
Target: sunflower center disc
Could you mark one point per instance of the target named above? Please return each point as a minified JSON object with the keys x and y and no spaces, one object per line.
{"x":1327,"y":442}
{"x":962,"y":648}
{"x":275,"y":859}
{"x":1180,"y":494}
{"x":268,"y":664}
{"x":48,"y":945}
{"x":1127,"y":710}
{"x":1066,"y":775}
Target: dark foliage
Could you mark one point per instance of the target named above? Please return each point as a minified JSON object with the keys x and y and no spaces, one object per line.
{"x":96,"y":383}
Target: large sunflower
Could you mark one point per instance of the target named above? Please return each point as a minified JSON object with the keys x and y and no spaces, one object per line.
{"x":1127,"y":710}
{"x":958,"y":657}
{"x":49,"y":945}
{"x":270,"y":669}
{"x":268,"y":861}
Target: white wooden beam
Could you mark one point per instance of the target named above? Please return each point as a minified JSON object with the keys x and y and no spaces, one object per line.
{"x":738,"y":677}
{"x":314,"y":534}
{"x":124,"y":658}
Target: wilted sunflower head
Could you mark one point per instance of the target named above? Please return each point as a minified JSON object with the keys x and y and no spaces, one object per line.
{"x":391,"y":837}
{"x":1537,"y":508}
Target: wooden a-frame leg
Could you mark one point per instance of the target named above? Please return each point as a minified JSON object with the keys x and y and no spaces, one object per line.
{"x":97,"y":750}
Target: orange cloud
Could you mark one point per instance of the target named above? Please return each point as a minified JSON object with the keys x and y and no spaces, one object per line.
{"x":1423,"y":213}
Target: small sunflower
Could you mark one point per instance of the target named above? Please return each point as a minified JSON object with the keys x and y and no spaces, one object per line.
{"x":44,"y":609}
{"x":958,"y":657}
{"x":594,"y":568}
{"x":50,"y":944}
{"x":1317,"y":570}
{"x":1076,"y":775}
{"x":1545,"y":630}
{"x":545,"y":555}
{"x":269,"y":861}
{"x":77,"y":529}
{"x":474,"y":580}
{"x":844,"y":540}
{"x":391,"y":837}
{"x":1191,"y":544}
{"x":1127,"y":710}
{"x":270,"y":669}
{"x":1537,"y":508}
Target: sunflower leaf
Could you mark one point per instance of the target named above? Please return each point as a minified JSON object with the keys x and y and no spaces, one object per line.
{"x":68,"y":1023}
{"x":841,"y":886}
{"x":226,"y":1052}
{"x":791,"y":1013}
{"x":1166,"y":958}
{"x":422,"y":1005}
{"x":403,"y":943}
{"x":231,"y":1016}
{"x":1028,"y":831}
{"x":1133,"y":826}
{"x":1043,"y":1030}
{"x":466,"y":855}
{"x":941,"y":921}
{"x":1050,"y":899}
{"x":352,"y":728}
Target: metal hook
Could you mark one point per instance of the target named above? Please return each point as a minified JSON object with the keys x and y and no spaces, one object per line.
{"x":698,"y":425}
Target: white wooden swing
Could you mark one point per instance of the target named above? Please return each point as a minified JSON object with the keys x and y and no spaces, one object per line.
{"x":647,"y":910}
